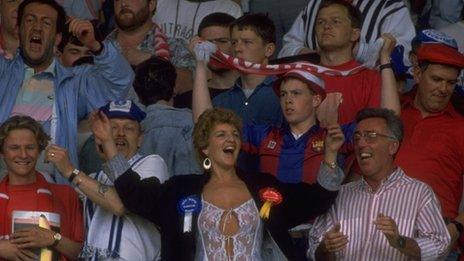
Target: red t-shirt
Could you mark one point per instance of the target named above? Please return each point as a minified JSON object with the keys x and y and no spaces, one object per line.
{"x":433,"y":151}
{"x":64,"y":201}
{"x":360,"y":90}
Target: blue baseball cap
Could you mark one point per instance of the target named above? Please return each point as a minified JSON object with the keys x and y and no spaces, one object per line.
{"x":125,"y":109}
{"x":427,"y":36}
{"x":434,"y":36}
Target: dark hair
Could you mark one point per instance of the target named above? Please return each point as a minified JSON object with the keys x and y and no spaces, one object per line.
{"x":21,"y":122}
{"x":68,"y":37}
{"x":215,"y":19}
{"x":353,"y":13}
{"x":424,"y":64}
{"x":393,"y":121}
{"x":154,"y":80}
{"x":259,"y":23}
{"x":61,"y":14}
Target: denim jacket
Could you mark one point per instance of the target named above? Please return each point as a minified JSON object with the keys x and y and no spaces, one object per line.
{"x":168,"y":132}
{"x":77,"y":91}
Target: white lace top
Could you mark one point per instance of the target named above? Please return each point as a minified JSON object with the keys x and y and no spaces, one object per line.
{"x":212,"y":240}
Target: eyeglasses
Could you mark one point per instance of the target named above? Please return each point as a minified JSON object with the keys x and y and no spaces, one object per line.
{"x":370,"y":136}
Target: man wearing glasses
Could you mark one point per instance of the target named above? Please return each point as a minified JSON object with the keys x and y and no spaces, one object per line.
{"x":386,"y":215}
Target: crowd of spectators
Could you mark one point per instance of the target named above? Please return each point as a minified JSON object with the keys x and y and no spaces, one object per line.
{"x":231,"y":130}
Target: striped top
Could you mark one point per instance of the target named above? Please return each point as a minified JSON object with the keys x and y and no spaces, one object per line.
{"x":412,"y":205}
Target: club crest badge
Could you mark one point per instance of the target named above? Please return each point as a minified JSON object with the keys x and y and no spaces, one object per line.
{"x":271,"y":145}
{"x":317,"y":145}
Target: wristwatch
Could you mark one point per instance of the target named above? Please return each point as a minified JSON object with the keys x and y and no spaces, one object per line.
{"x":57,"y":238}
{"x":400,"y":242}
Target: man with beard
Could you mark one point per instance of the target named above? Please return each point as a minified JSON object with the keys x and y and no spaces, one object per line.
{"x":34,"y":83}
{"x":9,"y":41}
{"x":136,"y":36}
{"x":213,"y":28}
{"x":138,"y":39}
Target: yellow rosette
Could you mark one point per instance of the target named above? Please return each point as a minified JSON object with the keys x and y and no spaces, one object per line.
{"x":271,"y":197}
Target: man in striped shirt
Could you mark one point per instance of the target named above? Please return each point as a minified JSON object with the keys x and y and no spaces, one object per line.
{"x":386,"y":215}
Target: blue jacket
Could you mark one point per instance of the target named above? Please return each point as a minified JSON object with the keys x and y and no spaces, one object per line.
{"x":167,"y":131}
{"x":77,"y":91}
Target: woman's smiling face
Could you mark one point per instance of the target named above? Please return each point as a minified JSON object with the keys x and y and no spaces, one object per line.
{"x":223,"y":145}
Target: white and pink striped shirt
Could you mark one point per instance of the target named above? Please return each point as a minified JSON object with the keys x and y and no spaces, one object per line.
{"x":411,"y":203}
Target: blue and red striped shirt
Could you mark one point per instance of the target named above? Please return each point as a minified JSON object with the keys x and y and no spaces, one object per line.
{"x":276,"y":151}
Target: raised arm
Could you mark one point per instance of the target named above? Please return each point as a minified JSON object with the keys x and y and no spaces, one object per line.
{"x":109,"y":78}
{"x":140,"y":196}
{"x":389,"y":97}
{"x":400,"y":25}
{"x":99,"y":193}
{"x":395,"y":20}
{"x":201,"y":99}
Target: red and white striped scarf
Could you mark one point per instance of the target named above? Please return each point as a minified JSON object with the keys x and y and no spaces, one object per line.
{"x":222,"y":60}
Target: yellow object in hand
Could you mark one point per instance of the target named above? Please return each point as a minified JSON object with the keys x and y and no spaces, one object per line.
{"x":45,"y":253}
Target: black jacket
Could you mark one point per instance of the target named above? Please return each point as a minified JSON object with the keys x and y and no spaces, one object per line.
{"x":158,"y":203}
